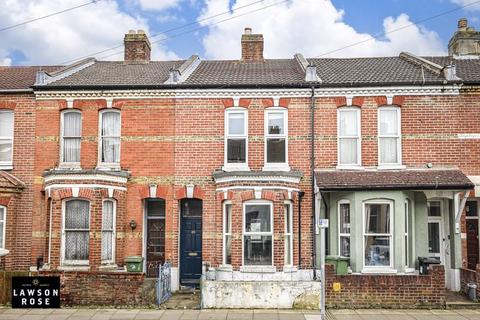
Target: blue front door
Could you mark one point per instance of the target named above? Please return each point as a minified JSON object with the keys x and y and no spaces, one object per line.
{"x":191,"y":242}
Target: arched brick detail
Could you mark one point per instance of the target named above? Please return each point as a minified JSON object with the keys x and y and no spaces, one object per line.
{"x":398,"y":100}
{"x":162,"y":192}
{"x":4,"y":201}
{"x":247,"y":195}
{"x":144,"y":192}
{"x":181,"y":193}
{"x":198,"y":193}
{"x":227,"y":103}
{"x":86,"y":193}
{"x":60,"y":194}
{"x":118,"y":194}
{"x":269,"y":195}
{"x":358,"y":101}
{"x":7,"y":105}
{"x":244,"y":103}
{"x":267,"y":102}
{"x":340,"y":101}
{"x":380,"y":100}
{"x":284,"y":102}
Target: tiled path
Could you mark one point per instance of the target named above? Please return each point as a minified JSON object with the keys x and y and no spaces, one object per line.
{"x":143,"y":314}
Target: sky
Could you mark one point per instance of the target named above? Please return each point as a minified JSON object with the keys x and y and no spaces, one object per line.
{"x":212,"y":28}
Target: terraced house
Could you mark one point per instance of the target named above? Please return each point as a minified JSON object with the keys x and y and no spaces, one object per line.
{"x":224,"y":168}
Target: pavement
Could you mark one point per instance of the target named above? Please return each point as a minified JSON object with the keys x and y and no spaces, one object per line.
{"x":222,"y":314}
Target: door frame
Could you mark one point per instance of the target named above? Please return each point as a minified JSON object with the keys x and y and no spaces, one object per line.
{"x":179,"y":237}
{"x":145,"y":231}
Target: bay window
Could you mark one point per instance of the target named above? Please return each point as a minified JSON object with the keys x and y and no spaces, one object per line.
{"x":344,"y":228}
{"x":227,"y":233}
{"x":76,"y":230}
{"x":6,"y":139}
{"x":258,"y":234}
{"x":71,"y":137}
{"x":110,"y":138}
{"x":276,"y":138}
{"x":287,"y":208}
{"x":349,"y":144}
{"x":236,"y":139}
{"x":389,"y":141}
{"x":378,"y":225}
{"x":108,"y":231}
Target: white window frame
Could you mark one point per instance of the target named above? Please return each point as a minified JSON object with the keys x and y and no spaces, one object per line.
{"x":235,"y":166}
{"x":276,"y":166}
{"x":257,"y":202}
{"x":8,"y":165}
{"x":358,"y":136}
{"x":288,"y":205}
{"x":4,"y":228}
{"x":64,"y":206}
{"x":108,"y":165}
{"x":62,"y":124}
{"x":114,"y":232}
{"x":398,"y":136}
{"x":341,"y":234}
{"x":409,"y":235}
{"x":379,"y":269}
{"x":226,"y":232}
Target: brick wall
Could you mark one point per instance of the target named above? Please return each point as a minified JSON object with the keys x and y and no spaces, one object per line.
{"x":386,"y":291}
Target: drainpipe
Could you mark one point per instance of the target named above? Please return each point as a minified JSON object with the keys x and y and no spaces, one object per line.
{"x":312,"y":161}
{"x":327,"y":216}
{"x":300,"y":196}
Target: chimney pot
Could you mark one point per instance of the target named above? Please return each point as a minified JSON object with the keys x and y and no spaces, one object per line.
{"x":137,"y":47}
{"x":252,"y":46}
{"x":462,"y":23}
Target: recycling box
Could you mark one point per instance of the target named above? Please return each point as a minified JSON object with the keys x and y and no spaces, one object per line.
{"x":134,"y":264}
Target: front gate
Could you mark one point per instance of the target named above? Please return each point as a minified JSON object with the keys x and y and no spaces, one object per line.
{"x":164,"y":291}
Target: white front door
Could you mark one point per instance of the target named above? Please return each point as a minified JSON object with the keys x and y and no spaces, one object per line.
{"x":438,"y":239}
{"x":435,"y":238}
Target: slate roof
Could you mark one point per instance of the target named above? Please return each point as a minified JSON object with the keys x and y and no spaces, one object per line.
{"x":368,"y":71}
{"x":117,"y":73}
{"x":467,"y":69}
{"x":421,"y":179}
{"x":20,"y":77}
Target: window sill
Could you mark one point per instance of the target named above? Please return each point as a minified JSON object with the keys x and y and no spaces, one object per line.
{"x":6,"y":166}
{"x":71,"y":166}
{"x":74,"y":268}
{"x":350,"y":167}
{"x":409,"y":270}
{"x":225,"y":268}
{"x":391,"y":167}
{"x":276,"y":167}
{"x":237,"y":167}
{"x":4,"y":252}
{"x":109,"y":167}
{"x":379,"y":270}
{"x":258,"y":269}
{"x":108,"y":267}
{"x":290,"y":269}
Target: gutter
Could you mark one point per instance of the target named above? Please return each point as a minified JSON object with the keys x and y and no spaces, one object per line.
{"x":6,"y":91}
{"x":417,"y":187}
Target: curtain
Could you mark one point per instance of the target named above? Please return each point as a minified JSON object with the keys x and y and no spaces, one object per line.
{"x":388,"y":150}
{"x":348,"y":150}
{"x":348,"y":123}
{"x":77,"y":225}
{"x":236,"y":123}
{"x":107,"y":230}
{"x":388,"y":122}
{"x":111,"y":137}
{"x":6,"y":135}
{"x":72,"y":124}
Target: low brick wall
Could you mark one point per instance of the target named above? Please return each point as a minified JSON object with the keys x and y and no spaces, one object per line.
{"x":104,"y":288}
{"x":6,"y":284}
{"x":386,"y":291}
{"x":470,"y":276}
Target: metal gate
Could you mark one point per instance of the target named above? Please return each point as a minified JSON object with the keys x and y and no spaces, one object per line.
{"x":164,"y":291}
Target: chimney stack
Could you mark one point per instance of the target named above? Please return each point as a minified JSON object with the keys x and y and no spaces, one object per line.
{"x":137,"y":47}
{"x":465,"y":42}
{"x":252,"y":46}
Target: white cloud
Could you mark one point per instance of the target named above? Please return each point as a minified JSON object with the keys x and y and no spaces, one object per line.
{"x":158,"y":5}
{"x":69,"y":35}
{"x":312,"y":27}
{"x":6,"y":62}
{"x":468,"y":3}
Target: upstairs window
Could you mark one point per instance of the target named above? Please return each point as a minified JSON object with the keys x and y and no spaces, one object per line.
{"x":276,"y":133}
{"x":110,"y":138}
{"x":71,"y":137}
{"x":76,"y":231}
{"x":349,"y":145}
{"x":389,"y":144}
{"x":6,"y":139}
{"x":236,"y":138}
